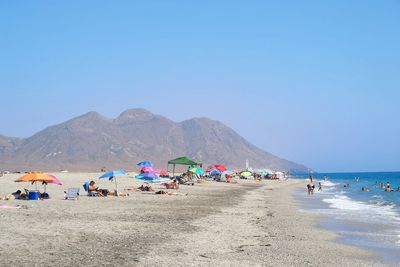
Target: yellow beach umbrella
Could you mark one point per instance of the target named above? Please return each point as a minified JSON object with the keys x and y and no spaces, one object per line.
{"x":245,"y":174}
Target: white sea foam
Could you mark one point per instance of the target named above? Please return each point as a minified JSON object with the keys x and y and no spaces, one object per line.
{"x":378,"y":211}
{"x":328,"y":184}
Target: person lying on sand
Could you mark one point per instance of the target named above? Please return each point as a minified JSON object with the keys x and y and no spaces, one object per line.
{"x":13,"y":207}
{"x":162,"y":192}
{"x":171,"y":185}
{"x":16,"y":195}
{"x":145,"y":188}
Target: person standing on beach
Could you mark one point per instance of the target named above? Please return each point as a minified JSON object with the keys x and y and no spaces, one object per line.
{"x":319,"y":186}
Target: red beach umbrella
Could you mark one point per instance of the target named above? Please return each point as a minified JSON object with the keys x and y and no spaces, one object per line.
{"x":221,"y":168}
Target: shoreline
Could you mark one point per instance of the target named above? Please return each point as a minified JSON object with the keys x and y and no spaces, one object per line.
{"x":352,"y":231}
{"x":217,"y":224}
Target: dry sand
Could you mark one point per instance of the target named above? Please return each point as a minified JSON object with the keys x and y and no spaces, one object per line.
{"x":216,"y":224}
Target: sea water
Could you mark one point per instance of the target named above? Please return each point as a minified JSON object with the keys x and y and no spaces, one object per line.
{"x":365,"y":219}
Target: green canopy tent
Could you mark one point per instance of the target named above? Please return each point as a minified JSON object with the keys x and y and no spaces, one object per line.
{"x":182,"y":161}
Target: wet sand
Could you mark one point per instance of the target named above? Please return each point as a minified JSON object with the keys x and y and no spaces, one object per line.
{"x":216,"y":224}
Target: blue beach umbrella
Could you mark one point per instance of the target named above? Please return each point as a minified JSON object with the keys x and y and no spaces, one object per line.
{"x":197,"y":171}
{"x":113,"y":176}
{"x":215,"y":172}
{"x":145,"y":164}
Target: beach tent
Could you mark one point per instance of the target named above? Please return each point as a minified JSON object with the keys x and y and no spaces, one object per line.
{"x":182,"y":161}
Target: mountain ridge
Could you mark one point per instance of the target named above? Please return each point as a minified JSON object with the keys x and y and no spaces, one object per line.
{"x":91,"y":141}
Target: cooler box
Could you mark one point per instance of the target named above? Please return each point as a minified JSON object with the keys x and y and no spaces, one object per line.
{"x":33,"y":195}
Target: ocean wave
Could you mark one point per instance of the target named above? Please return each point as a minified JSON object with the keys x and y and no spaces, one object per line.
{"x":328,"y":184}
{"x":377,"y":210}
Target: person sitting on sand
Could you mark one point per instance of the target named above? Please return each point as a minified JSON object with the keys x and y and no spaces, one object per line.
{"x":93,"y":188}
{"x":186,"y":179}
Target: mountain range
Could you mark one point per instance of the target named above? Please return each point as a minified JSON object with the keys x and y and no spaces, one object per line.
{"x":91,"y":142}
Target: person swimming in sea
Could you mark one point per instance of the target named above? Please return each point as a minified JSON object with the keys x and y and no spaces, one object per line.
{"x":365,"y":189}
{"x":388,"y":187}
{"x":319,"y":186}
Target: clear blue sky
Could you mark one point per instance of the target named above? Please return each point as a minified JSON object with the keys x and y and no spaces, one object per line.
{"x":316,"y":82}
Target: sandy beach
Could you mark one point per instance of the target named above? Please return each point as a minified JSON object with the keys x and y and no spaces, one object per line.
{"x":215,"y":224}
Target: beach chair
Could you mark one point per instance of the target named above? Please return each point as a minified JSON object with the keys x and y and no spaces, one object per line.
{"x":90,"y":193}
{"x":72,"y":193}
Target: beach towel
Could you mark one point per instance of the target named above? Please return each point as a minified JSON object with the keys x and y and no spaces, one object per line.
{"x":9,"y":206}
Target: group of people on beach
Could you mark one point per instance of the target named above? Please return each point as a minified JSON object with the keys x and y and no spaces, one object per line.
{"x":24,"y":195}
{"x":386,"y":187}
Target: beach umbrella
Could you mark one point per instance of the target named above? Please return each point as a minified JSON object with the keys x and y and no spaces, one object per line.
{"x":147,"y":175}
{"x":113,"y":176}
{"x":215,"y":172}
{"x":221,"y":168}
{"x":147,"y":169}
{"x":55,"y":180}
{"x":35,"y":177}
{"x":145,"y":164}
{"x":245,"y":174}
{"x":197,"y":171}
{"x":151,"y":177}
{"x":161,"y":172}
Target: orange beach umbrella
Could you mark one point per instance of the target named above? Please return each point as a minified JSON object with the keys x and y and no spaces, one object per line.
{"x":35,"y":177}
